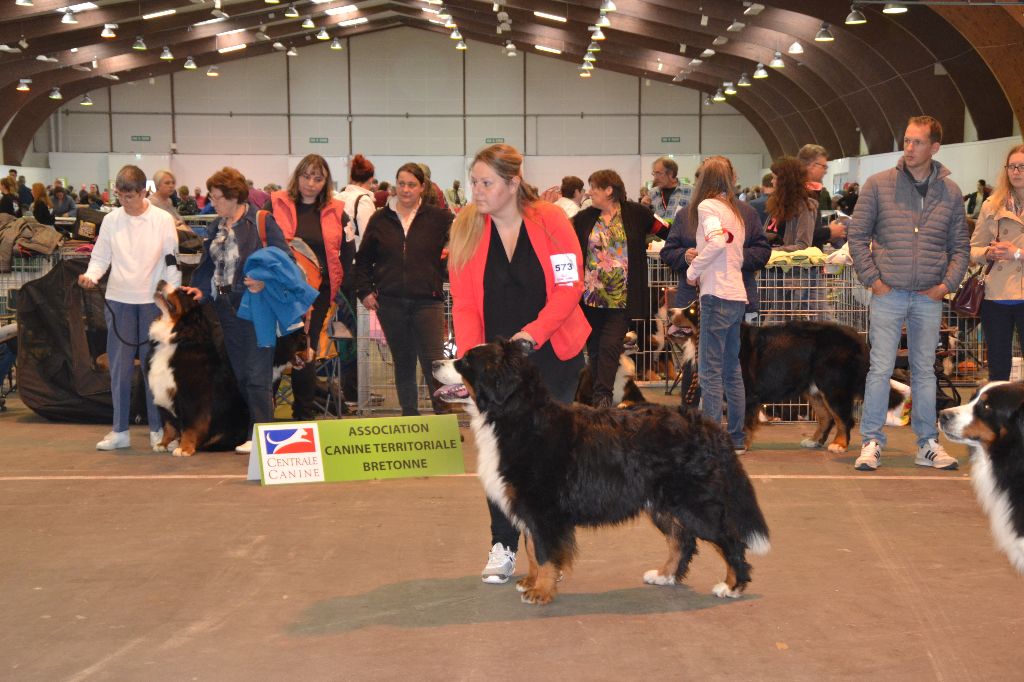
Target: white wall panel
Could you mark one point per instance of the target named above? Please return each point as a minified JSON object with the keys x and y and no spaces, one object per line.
{"x":77,"y":168}
{"x":86,"y":131}
{"x":232,"y":134}
{"x":405,"y":71}
{"x":245,"y":86}
{"x":508,"y":129}
{"x":409,"y":136}
{"x":553,"y":86}
{"x":665,"y":98}
{"x":154,"y":126}
{"x":194,"y":169}
{"x":571,"y":135}
{"x":548,"y":171}
{"x":730,"y":135}
{"x":494,"y":82}
{"x":319,"y":80}
{"x":308,"y":133}
{"x":685,"y":128}
{"x":152,"y":95}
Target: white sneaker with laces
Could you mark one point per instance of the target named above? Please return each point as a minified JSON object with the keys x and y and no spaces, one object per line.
{"x":870,"y":456}
{"x":155,"y":437}
{"x":115,"y":440}
{"x":501,"y":565}
{"x":245,"y":448}
{"x":932,"y":454}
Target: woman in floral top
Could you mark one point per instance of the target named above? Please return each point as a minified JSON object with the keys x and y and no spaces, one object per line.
{"x":612,"y":236}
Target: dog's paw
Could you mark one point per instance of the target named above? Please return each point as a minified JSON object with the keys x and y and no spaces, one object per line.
{"x":524,"y":584}
{"x":178,"y":452}
{"x":721,"y":590}
{"x":654,"y":577}
{"x":160,"y":448}
{"x":537,"y":597}
{"x":836,"y":448}
{"x":810,"y":444}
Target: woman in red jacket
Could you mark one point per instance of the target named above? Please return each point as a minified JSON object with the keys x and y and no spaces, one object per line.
{"x":307,"y":209}
{"x":514,"y":266}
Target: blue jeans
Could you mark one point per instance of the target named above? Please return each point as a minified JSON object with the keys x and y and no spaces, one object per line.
{"x":718,"y":363}
{"x":132,"y":323}
{"x":923,"y":317}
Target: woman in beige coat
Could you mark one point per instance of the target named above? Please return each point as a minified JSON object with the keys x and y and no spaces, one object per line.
{"x":999,"y":238}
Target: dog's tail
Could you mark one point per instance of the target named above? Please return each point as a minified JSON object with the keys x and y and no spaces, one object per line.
{"x":898,"y":413}
{"x":745,"y":511}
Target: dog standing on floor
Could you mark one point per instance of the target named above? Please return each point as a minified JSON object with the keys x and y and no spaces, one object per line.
{"x":992,"y":426}
{"x":553,"y":467}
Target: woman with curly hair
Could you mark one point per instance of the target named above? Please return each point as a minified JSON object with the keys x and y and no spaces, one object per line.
{"x":793,"y":215}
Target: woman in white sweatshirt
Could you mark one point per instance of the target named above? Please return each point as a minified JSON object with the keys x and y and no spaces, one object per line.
{"x":716,"y":271}
{"x":138,"y":245}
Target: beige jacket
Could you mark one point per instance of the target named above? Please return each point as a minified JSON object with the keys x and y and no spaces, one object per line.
{"x":1005,"y":282}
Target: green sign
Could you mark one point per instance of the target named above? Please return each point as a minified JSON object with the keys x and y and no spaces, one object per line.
{"x":355,"y":449}
{"x":670,"y":139}
{"x":141,"y":138}
{"x":494,"y":140}
{"x":318,"y":140}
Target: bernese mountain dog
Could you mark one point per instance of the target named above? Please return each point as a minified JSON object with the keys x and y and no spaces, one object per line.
{"x":191,"y":378}
{"x":992,"y":425}
{"x":825,"y":362}
{"x":625,"y":392}
{"x":552,"y":467}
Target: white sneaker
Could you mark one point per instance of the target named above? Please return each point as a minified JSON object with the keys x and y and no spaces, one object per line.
{"x":870,"y":456}
{"x":932,"y":454}
{"x":155,"y":437}
{"x":115,"y":440}
{"x":501,"y":565}
{"x":245,"y":448}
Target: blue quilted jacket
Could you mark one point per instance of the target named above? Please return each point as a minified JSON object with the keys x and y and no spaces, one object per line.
{"x":285,"y":298}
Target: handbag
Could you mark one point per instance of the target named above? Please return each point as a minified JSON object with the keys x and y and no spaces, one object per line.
{"x":968,"y":298}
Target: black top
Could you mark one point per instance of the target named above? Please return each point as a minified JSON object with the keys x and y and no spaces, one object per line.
{"x":514,"y":294}
{"x":307,"y":228}
{"x":9,"y":204}
{"x":41,"y":212}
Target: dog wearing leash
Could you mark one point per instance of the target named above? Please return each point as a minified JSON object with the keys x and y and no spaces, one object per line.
{"x":992,"y":426}
{"x":552,"y":467}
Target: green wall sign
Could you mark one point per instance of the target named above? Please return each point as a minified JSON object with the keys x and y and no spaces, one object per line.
{"x":318,"y":140}
{"x":670,"y":139}
{"x":141,"y":138}
{"x":494,"y":140}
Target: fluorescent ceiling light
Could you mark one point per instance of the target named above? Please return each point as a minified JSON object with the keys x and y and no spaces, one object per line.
{"x":81,"y":67}
{"x":231,"y":32}
{"x":545,"y":48}
{"x":431,"y":10}
{"x":232,"y":48}
{"x":219,"y":13}
{"x":110,"y":76}
{"x":157,"y":15}
{"x":696,"y":61}
{"x":46,"y":58}
{"x":552,"y":17}
{"x":272,"y":2}
{"x":341,"y":10}
{"x":719,"y":40}
{"x":708,"y":52}
{"x":353,"y":22}
{"x":439,"y":23}
{"x":278,"y":45}
{"x":894,"y":8}
{"x":82,"y":6}
{"x":753,"y":9}
{"x":24,"y":3}
{"x":736,"y":26}
{"x":208,"y":21}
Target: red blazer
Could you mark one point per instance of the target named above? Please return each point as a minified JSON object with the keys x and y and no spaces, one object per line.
{"x":330,"y":224}
{"x":561,"y":319}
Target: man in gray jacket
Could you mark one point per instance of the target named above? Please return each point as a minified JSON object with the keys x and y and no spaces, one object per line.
{"x":909,"y":243}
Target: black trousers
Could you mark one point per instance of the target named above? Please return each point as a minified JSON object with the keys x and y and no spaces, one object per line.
{"x":414,"y":328}
{"x":604,"y":347}
{"x":304,"y":380}
{"x":998,"y":322}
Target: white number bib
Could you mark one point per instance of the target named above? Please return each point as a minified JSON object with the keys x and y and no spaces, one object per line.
{"x":564,"y":267}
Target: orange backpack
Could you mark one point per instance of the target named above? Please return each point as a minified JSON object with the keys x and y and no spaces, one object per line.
{"x":303,"y":255}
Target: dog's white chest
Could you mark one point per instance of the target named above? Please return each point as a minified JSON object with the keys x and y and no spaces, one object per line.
{"x":488,"y":457}
{"x":161,"y":377}
{"x":996,"y":503}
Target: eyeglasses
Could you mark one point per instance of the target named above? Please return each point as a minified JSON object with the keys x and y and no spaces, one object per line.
{"x":1014,"y":168}
{"x":824,"y":166}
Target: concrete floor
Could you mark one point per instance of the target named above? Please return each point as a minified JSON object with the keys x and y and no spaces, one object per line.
{"x":138,"y":566}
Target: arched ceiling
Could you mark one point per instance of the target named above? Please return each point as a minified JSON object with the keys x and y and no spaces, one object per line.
{"x":943,"y":58}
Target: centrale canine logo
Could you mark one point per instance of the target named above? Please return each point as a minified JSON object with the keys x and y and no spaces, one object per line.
{"x":289,"y":441}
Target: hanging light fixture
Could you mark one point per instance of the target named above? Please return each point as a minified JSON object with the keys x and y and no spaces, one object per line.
{"x":23,"y":85}
{"x":707,"y":100}
{"x":292,"y":52}
{"x":308,"y":23}
{"x":608,"y":6}
{"x":291,"y":12}
{"x":212,"y":72}
{"x":108,"y":31}
{"x":855,"y":17}
{"x":190,"y":64}
{"x":589,"y":57}
{"x":796,"y":48}
{"x":584,"y":74}
{"x":455,"y":35}
{"x":55,"y":94}
{"x":894,"y":8}
{"x":707,"y":52}
{"x":69,"y":17}
{"x":139,"y":44}
{"x":718,"y":96}
{"x":603,"y":21}
{"x":824,"y":35}
{"x":594,"y":47}
{"x":86,"y":101}
{"x":729,"y":89}
{"x":744,"y":81}
{"x":166,"y":54}
{"x":597,"y":35}
{"x":760,"y":71}
{"x":776,"y":62}
{"x":336,"y":44}
{"x":24,"y":3}
{"x":322,"y":35}
{"x":587,"y":66}
{"x":461,"y":45}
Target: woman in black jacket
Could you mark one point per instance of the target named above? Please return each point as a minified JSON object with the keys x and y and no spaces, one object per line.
{"x":613,"y":238}
{"x":399,"y":273}
{"x":42,"y":209}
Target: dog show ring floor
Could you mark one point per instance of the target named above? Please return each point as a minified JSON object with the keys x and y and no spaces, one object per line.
{"x":132,"y":565}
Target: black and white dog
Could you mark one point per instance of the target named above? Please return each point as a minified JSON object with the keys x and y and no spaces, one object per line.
{"x":992,"y":425}
{"x":552,"y":467}
{"x":625,"y":392}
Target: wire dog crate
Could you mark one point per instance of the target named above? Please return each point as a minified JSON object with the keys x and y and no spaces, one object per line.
{"x":23,"y":270}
